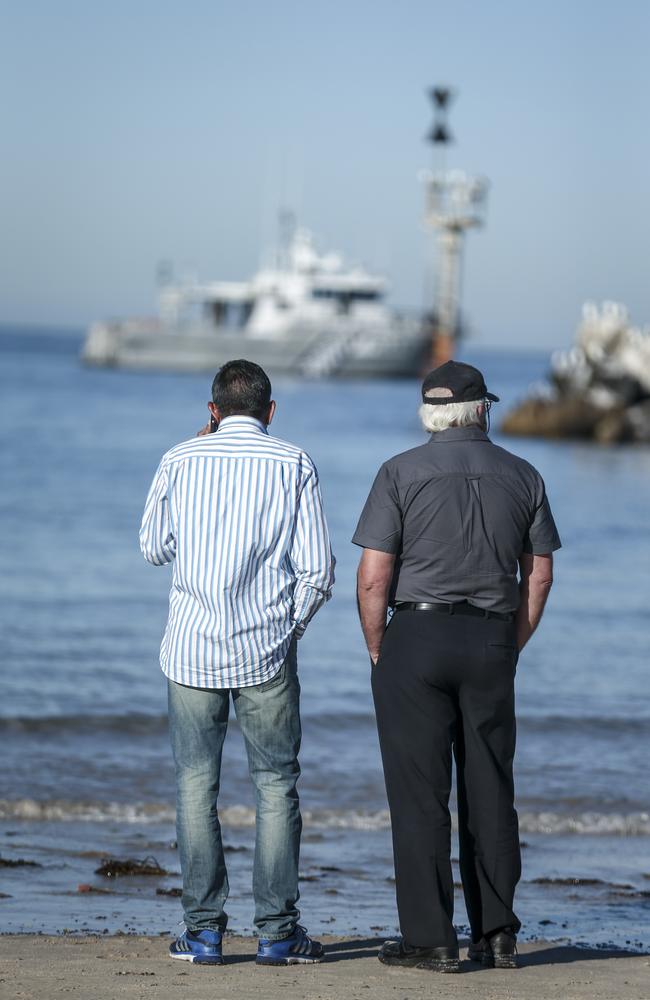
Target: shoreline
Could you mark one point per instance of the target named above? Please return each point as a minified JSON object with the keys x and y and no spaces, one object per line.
{"x":527,"y":942}
{"x":134,"y":966}
{"x":575,"y":891}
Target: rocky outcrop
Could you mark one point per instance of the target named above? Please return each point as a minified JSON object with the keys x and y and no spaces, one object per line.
{"x":599,"y":390}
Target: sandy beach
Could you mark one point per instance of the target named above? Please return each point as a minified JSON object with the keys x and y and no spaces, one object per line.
{"x":40,"y":968}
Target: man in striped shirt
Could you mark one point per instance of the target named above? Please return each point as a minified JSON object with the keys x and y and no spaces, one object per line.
{"x":239,"y":513}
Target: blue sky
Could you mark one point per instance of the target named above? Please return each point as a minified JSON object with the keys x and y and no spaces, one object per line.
{"x":138,"y":131}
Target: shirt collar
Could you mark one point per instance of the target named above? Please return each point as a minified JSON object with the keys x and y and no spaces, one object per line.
{"x":459,"y":434}
{"x":243,"y":422}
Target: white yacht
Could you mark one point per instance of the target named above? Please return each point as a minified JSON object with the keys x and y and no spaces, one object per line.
{"x":310,"y":315}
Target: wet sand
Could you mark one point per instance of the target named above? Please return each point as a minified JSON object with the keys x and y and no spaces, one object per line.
{"x":40,"y":968}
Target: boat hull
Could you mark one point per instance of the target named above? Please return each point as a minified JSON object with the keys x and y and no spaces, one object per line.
{"x":400,"y":352}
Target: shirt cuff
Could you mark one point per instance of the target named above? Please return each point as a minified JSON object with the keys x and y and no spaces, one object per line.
{"x":543,"y":548}
{"x":299,"y":629}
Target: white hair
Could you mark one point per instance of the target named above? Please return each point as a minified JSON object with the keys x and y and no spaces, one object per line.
{"x":440,"y":416}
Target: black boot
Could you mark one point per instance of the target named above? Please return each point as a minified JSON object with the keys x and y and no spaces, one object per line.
{"x":497,"y":951}
{"x":435,"y":959}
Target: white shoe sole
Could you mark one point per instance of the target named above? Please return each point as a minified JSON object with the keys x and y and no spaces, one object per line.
{"x":196,"y":959}
{"x":291,"y":960}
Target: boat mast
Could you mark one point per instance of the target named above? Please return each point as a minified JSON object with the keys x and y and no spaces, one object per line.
{"x":286,"y":233}
{"x":455,"y":203}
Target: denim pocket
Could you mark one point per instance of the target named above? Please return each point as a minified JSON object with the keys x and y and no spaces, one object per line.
{"x":276,"y":680}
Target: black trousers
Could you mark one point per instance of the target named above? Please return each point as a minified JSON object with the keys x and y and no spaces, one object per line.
{"x":445,"y":684}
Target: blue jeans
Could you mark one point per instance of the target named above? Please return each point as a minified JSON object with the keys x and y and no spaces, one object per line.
{"x":269,"y":717}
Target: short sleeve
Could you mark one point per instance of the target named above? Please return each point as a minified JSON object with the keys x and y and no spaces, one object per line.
{"x":380,"y":524}
{"x":542,"y":536}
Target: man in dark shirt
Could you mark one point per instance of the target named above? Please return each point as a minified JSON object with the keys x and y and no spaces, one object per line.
{"x":458,"y":537}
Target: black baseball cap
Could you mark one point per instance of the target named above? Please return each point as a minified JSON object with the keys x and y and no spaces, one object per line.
{"x":465,"y":382}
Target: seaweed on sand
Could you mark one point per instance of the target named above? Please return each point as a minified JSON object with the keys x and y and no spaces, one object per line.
{"x":114,"y":867}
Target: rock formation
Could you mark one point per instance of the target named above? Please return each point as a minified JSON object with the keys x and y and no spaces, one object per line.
{"x":599,"y":390}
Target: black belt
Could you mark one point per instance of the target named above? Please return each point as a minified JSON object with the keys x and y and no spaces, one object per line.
{"x":460,"y":608}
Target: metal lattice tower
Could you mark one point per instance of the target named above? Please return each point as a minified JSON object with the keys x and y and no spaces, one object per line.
{"x":455,"y":202}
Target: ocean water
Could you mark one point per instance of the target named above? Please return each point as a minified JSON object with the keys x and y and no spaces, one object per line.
{"x":86,"y":765}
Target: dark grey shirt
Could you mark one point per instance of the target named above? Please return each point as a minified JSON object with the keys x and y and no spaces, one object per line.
{"x":458,"y":512}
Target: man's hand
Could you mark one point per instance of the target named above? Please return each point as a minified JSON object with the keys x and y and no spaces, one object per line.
{"x":536,"y":581}
{"x":373,"y":584}
{"x":204,"y":430}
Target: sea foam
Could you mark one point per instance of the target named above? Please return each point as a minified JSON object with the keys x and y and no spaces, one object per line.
{"x":633,"y":824}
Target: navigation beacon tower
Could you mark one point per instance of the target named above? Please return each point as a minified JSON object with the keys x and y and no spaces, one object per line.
{"x":455,"y":202}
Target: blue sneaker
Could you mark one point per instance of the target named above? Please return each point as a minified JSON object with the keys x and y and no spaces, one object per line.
{"x":202,"y":947}
{"x":299,"y":949}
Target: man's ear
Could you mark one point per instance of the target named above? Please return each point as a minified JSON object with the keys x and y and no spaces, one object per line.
{"x":214,"y":411}
{"x":270,"y":413}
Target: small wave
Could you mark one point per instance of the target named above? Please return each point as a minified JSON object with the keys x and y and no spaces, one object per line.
{"x":586,"y":725}
{"x":145,"y":724}
{"x":634,"y":824}
{"x":64,"y":810}
{"x":133,"y":723}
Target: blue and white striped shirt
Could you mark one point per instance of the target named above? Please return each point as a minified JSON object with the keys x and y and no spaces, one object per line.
{"x":240,"y":514}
